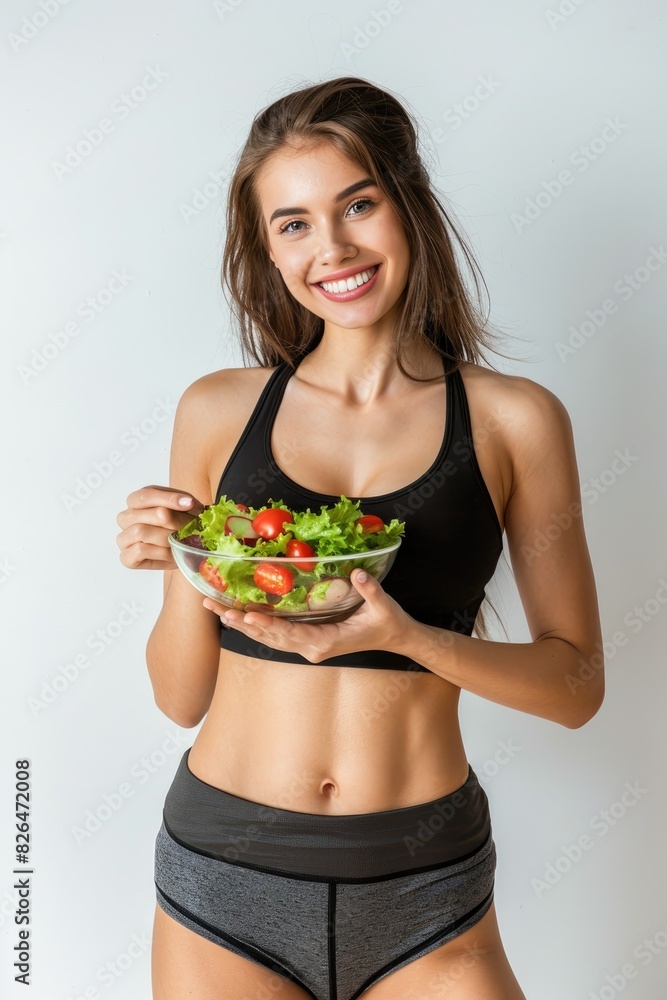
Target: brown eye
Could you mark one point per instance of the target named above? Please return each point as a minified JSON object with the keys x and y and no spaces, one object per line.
{"x":286,"y":229}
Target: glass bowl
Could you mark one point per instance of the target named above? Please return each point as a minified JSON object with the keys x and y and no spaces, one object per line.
{"x":304,"y":588}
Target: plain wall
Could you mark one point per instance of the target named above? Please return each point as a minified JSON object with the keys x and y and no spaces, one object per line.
{"x":509,"y":96}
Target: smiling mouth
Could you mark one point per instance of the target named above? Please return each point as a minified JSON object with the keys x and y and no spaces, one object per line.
{"x":349,"y":284}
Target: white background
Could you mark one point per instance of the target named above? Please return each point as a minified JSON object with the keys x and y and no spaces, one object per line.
{"x":146,"y":203}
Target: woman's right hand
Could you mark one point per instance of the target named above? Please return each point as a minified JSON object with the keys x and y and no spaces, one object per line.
{"x":152,"y":513}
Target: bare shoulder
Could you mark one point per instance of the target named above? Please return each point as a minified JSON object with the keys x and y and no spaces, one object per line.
{"x":231,"y":388}
{"x":528,"y":417}
{"x":525,"y":425}
{"x":211,"y":415}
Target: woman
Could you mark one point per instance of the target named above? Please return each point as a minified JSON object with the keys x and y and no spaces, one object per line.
{"x":325,"y":835}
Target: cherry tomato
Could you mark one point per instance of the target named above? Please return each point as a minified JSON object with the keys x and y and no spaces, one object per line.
{"x":242,"y":506}
{"x":273,"y":579}
{"x":370,"y":523}
{"x":296,"y":548}
{"x":211,"y":575}
{"x":269,"y":523}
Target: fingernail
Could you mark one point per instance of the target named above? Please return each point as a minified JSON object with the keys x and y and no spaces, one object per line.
{"x":185,"y":501}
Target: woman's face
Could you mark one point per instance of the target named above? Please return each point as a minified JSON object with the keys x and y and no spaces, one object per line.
{"x":317,"y":228}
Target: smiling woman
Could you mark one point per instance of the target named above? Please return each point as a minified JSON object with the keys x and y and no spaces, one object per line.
{"x":371,"y":143}
{"x":365,"y":229}
{"x":325,"y":836}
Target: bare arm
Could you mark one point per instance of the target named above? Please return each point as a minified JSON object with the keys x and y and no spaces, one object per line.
{"x":183,"y":649}
{"x":560,"y":674}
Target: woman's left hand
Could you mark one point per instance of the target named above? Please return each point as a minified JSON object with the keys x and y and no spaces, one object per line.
{"x":379,"y":623}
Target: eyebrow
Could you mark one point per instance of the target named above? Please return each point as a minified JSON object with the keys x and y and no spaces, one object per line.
{"x":339,"y":197}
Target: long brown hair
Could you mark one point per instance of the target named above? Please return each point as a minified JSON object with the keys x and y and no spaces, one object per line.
{"x":372,"y":128}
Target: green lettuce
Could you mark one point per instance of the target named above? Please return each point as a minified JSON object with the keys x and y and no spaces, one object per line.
{"x":331,"y":532}
{"x":295,"y":600}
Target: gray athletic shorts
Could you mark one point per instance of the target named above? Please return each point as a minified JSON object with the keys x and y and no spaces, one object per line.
{"x":332,"y":903}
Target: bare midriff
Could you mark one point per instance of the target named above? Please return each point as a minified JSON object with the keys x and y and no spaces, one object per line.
{"x":337,"y":740}
{"x":343,"y":740}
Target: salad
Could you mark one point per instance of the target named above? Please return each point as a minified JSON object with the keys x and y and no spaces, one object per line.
{"x":274,"y":531}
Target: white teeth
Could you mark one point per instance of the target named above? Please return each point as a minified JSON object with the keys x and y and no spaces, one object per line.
{"x":348,"y":284}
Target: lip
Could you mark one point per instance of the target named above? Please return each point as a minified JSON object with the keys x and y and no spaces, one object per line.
{"x":353,"y":293}
{"x":347,"y":272}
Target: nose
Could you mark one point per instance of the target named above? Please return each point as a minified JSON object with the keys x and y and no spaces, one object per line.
{"x":332,"y":258}
{"x":333,"y":246}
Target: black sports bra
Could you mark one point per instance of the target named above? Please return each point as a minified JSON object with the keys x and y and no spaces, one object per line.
{"x":452,"y":539}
